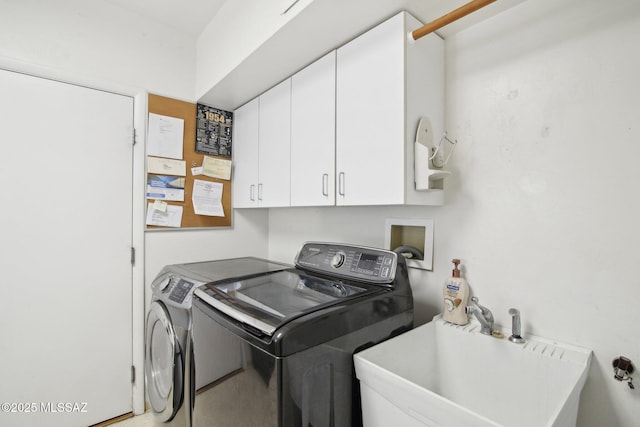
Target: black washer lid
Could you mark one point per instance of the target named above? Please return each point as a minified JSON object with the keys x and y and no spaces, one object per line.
{"x":268,"y":301}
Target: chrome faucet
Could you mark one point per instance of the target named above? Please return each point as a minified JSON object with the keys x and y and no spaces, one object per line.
{"x":483,"y":314}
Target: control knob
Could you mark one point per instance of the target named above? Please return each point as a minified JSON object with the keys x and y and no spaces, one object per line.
{"x":338,"y":259}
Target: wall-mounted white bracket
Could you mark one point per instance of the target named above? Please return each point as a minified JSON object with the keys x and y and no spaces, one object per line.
{"x":428,"y":159}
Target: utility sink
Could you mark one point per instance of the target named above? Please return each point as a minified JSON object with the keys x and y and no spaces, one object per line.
{"x":445,"y":375}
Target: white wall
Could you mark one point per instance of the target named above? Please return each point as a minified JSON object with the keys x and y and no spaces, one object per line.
{"x":100,"y":40}
{"x":543,"y":204}
{"x":247,"y":237}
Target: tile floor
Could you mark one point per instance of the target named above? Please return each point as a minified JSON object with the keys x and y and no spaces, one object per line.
{"x":144,"y":420}
{"x":258,"y":395}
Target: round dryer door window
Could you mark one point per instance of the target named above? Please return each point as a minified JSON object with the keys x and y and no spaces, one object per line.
{"x":163,"y":367}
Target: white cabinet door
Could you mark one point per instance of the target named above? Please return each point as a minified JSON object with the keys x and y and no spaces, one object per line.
{"x":275,"y":146}
{"x":65,"y":252}
{"x":313,"y":133}
{"x":370,"y":112}
{"x":245,"y":155}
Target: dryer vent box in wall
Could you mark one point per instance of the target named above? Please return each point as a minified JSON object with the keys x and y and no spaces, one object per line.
{"x":402,"y":234}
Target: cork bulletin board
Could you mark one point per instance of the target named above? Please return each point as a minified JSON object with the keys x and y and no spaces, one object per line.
{"x":187,"y":112}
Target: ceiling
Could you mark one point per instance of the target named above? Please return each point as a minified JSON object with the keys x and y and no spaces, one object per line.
{"x":283,"y":54}
{"x":318,"y":28}
{"x":188,"y":16}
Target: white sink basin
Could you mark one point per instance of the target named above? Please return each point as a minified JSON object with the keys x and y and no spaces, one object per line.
{"x":444,"y":375}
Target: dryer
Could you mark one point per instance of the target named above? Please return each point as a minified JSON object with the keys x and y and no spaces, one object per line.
{"x":173,"y":349}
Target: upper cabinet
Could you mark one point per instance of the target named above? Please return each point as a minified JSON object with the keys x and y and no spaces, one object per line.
{"x":313,"y":106}
{"x":262,"y":143}
{"x":275,"y":146}
{"x":384,"y":85}
{"x":342,"y":130}
{"x":245,"y":155}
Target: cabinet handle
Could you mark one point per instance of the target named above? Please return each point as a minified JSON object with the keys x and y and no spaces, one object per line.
{"x":325,"y":184}
{"x":260,"y":191}
{"x":252,"y":196}
{"x":341,"y":183}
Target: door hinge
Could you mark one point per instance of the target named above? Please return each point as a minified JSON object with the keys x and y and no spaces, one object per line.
{"x":133,"y":136}
{"x":133,"y":256}
{"x":133,"y":374}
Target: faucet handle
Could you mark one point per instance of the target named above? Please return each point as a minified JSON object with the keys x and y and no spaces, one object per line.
{"x":515,"y":326}
{"x":484,"y":310}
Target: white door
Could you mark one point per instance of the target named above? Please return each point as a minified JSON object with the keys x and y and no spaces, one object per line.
{"x":275,"y":146}
{"x":370,"y":108}
{"x":66,"y":234}
{"x":246,"y":121}
{"x":313,"y":133}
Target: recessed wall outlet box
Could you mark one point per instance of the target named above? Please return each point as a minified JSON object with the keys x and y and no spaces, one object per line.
{"x":412,"y":233}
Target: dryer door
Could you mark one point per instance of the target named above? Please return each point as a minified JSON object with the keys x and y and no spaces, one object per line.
{"x":164,"y":364}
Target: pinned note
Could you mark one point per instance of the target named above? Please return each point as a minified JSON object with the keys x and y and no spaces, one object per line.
{"x":207,"y":198}
{"x":171,"y":217}
{"x":216,"y":168}
{"x":166,"y":166}
{"x":160,"y":206}
{"x":165,"y":187}
{"x":166,"y":136}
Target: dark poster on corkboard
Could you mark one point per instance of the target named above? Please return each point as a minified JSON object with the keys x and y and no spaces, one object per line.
{"x":213,"y":133}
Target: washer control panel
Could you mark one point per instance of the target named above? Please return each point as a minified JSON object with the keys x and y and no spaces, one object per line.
{"x":352,"y":262}
{"x":178,"y":291}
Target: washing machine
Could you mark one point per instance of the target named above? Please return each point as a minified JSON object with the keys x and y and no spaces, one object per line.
{"x":297,"y":330}
{"x":174,"y":371}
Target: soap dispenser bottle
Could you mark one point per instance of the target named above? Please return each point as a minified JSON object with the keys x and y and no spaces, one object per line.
{"x":456,"y":297}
